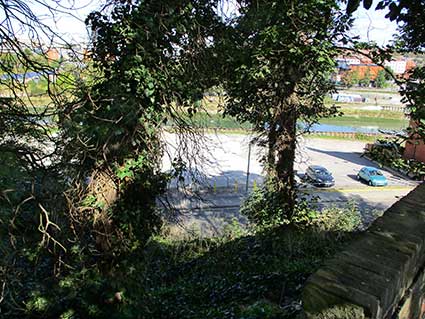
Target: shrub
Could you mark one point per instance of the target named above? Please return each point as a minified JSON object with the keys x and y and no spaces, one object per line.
{"x":337,"y":219}
{"x":390,"y":153}
{"x":262,"y":207}
{"x":263,"y":210}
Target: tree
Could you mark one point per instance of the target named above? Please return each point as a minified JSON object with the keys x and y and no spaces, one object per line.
{"x":34,"y":226}
{"x":279,"y":58}
{"x":351,"y":78}
{"x":86,"y":203}
{"x":149,"y":56}
{"x":381,"y":79}
{"x":365,"y":80}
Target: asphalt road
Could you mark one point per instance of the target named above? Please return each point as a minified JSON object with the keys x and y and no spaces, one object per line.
{"x":222,"y":162}
{"x":344,"y":159}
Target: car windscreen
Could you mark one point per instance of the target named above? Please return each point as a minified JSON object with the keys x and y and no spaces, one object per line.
{"x":375,"y":173}
{"x":321,"y":172}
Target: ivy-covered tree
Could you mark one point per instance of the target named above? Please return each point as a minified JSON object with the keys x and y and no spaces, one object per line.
{"x":67,"y":241}
{"x":150,"y":57}
{"x":279,"y":58}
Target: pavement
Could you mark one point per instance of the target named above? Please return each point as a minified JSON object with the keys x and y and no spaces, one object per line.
{"x":217,"y":187}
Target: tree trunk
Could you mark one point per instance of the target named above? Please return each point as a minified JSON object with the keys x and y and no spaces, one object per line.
{"x":272,"y":137}
{"x":281,"y":153}
{"x":285,"y":157}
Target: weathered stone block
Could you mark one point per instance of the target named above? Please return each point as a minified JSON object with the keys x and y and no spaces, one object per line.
{"x":381,"y":274}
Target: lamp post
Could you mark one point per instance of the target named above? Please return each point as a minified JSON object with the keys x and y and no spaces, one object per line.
{"x":247,"y":169}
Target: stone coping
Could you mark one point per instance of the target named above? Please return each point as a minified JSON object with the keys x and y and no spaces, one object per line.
{"x":369,"y":278}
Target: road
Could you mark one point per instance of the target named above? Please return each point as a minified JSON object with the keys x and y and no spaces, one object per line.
{"x":223,"y":180}
{"x":222,"y":161}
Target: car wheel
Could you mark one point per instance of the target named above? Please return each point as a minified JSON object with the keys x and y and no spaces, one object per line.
{"x":358,"y":176}
{"x":370,"y":183}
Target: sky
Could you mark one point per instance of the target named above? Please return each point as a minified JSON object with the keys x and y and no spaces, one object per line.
{"x":70,"y":24}
{"x":66,"y":18}
{"x":370,"y":24}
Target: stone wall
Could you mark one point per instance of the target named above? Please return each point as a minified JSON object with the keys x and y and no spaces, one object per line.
{"x":381,"y":273}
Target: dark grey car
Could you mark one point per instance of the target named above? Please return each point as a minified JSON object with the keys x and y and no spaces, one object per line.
{"x":319,"y":176}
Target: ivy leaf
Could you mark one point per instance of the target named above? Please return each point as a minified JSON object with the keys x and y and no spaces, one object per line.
{"x":149,"y":92}
{"x":352,"y":6}
{"x":380,"y":5}
{"x":394,"y":11}
{"x":367,"y":4}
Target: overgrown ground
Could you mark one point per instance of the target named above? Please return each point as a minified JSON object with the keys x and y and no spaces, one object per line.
{"x":246,"y":273}
{"x":256,"y":274}
{"x":252,"y":276}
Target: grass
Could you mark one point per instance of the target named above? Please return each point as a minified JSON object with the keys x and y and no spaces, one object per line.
{"x":352,"y":116}
{"x":215,"y":120}
{"x":361,"y":121}
{"x":218,"y":121}
{"x":246,"y":273}
{"x":36,"y":100}
{"x":355,"y":137}
{"x":369,"y":90}
{"x":42,"y":100}
{"x":350,"y":111}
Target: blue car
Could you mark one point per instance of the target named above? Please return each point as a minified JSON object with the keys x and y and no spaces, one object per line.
{"x":372,"y":176}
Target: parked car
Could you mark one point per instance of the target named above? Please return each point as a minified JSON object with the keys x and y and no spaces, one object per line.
{"x":319,"y":176}
{"x":372,"y":176}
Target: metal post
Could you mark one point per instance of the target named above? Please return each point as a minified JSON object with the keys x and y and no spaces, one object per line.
{"x":247,"y":169}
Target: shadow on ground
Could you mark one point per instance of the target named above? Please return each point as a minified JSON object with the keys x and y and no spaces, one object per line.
{"x":355,"y":158}
{"x":208,"y":211}
{"x":253,"y":276}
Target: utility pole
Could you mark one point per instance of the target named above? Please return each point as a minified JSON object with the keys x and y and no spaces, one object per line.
{"x":247,"y":169}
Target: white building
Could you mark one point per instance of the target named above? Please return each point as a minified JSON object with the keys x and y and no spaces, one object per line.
{"x":398,"y":66}
{"x":348,"y":61}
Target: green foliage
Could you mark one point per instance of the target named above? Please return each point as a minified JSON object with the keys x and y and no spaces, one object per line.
{"x":390,"y":153}
{"x":409,"y":15}
{"x":381,"y":79}
{"x":111,"y":135}
{"x":85,"y":199}
{"x":351,"y":78}
{"x":262,"y":309}
{"x":339,"y":220}
{"x":77,"y":210}
{"x":38,"y":87}
{"x":276,"y":72}
{"x":264,"y":208}
{"x":365,"y":80}
{"x":414,"y":96}
{"x":255,"y":276}
{"x":275,"y":54}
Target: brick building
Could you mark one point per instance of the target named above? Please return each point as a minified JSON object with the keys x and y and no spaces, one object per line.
{"x":362,"y":67}
{"x":415,"y":147}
